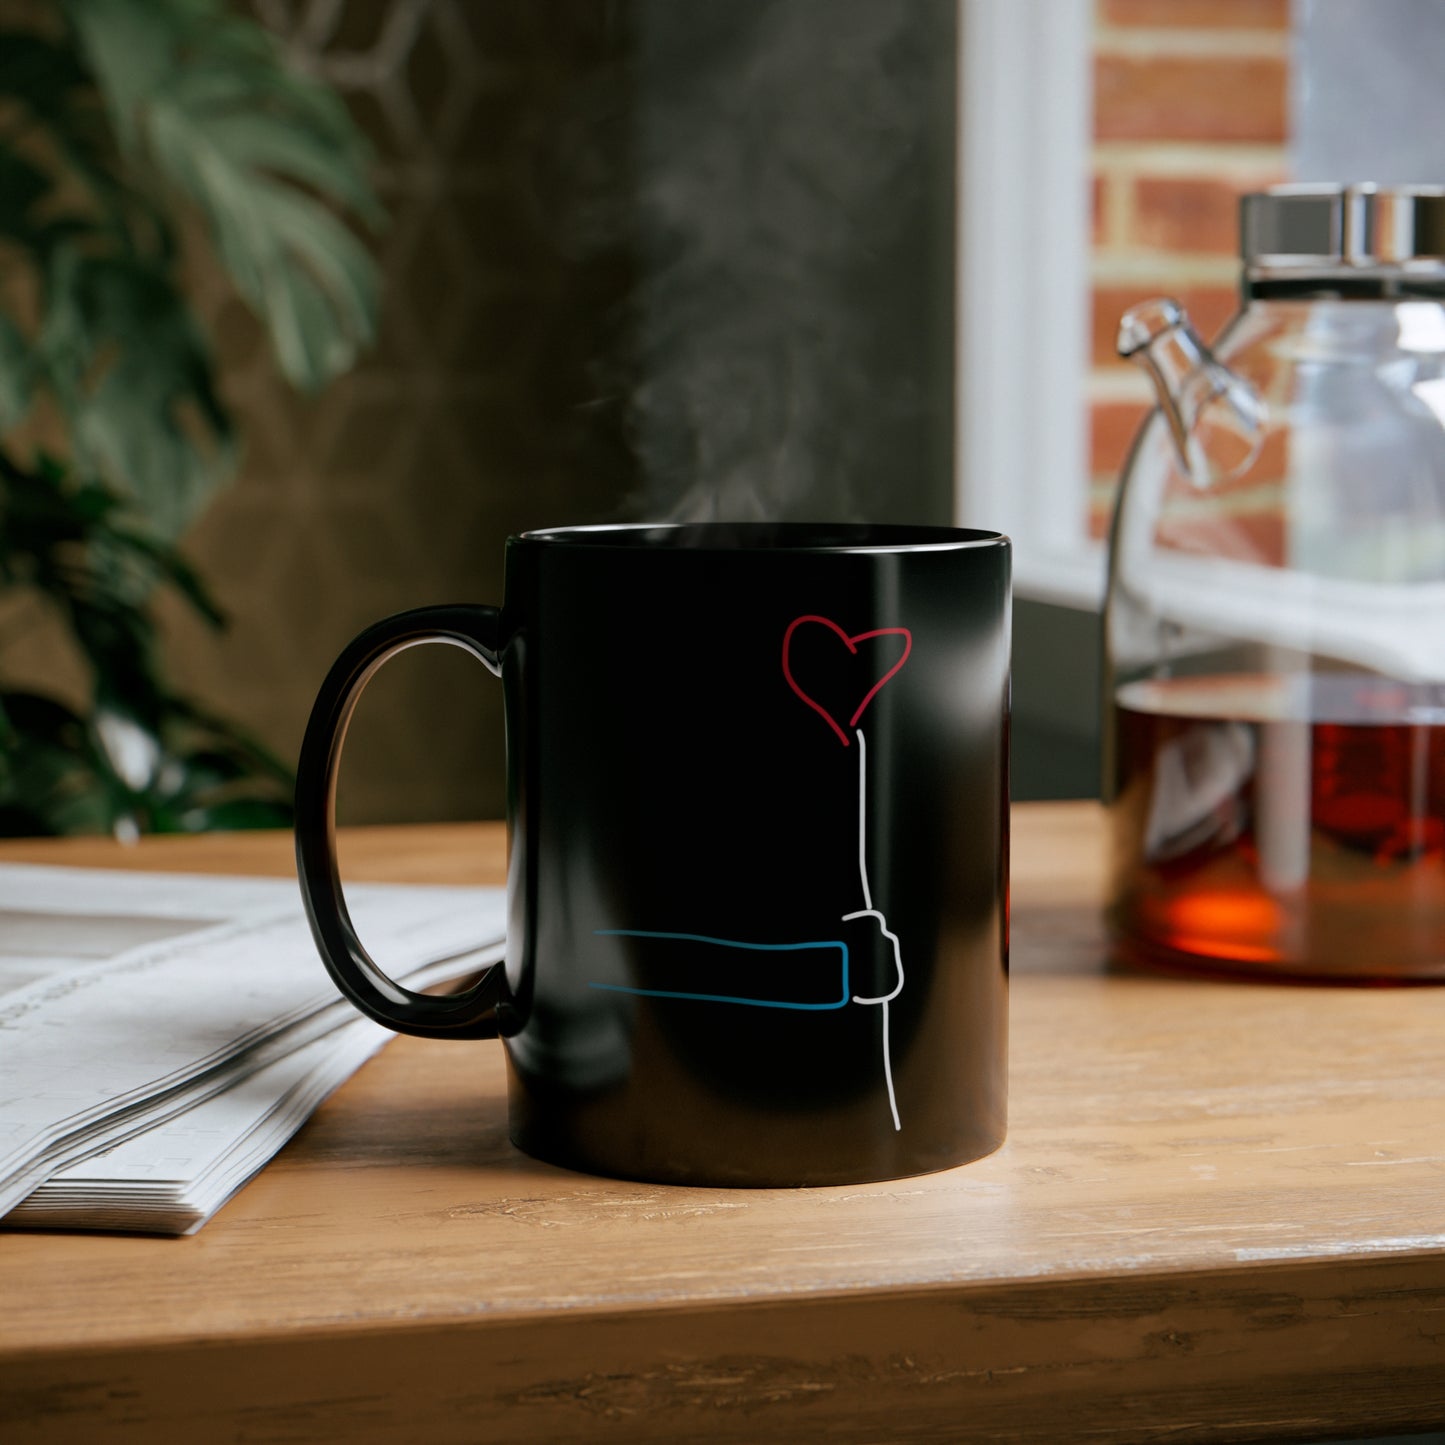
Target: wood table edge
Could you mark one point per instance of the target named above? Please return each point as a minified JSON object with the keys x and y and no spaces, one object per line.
{"x":1316,"y":1346}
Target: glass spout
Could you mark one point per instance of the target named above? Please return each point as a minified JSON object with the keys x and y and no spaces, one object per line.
{"x":1216,"y":419}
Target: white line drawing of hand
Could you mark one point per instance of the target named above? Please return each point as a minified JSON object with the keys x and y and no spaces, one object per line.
{"x":892,"y":938}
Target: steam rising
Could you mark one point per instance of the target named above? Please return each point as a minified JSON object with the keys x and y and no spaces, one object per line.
{"x":790,"y":324}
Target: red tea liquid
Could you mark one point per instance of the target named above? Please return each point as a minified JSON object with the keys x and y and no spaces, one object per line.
{"x":1287,"y":826}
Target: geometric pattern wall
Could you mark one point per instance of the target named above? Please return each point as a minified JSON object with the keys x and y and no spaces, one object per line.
{"x":471,"y":420}
{"x":646,"y":258}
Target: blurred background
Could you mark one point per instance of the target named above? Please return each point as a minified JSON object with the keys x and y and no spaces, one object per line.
{"x":659,"y":259}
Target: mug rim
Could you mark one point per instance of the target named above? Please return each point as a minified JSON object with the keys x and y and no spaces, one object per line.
{"x":812,"y":537}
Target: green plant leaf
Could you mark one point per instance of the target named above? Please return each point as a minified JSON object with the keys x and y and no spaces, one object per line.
{"x":45,"y":80}
{"x":22,"y":185}
{"x":39,"y":73}
{"x":107,"y":123}
{"x":306,"y":275}
{"x":51,"y":784}
{"x":170,"y":566}
{"x":17,"y":375}
{"x":262,"y":151}
{"x":129,"y":47}
{"x":233,"y":814}
{"x":63,"y":773}
{"x":218,"y":733}
{"x":134,"y":378}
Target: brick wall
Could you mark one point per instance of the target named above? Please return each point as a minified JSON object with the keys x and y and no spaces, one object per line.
{"x":1190,"y":111}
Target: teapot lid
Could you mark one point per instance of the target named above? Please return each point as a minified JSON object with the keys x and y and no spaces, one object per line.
{"x":1344,"y":228}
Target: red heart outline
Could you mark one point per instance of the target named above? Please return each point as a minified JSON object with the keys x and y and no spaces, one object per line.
{"x":851,"y":643}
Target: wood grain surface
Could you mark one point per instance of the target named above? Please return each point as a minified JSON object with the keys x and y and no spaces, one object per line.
{"x":1220,"y":1214}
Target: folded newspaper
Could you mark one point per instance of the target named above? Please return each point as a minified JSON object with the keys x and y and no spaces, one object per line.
{"x":162,"y":1034}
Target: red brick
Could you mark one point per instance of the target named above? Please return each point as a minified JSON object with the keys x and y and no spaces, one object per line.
{"x":1246,"y":536}
{"x":1112,"y":425}
{"x":1198,"y":14}
{"x":1209,"y":307}
{"x":1187,"y":213}
{"x":1190,"y":98}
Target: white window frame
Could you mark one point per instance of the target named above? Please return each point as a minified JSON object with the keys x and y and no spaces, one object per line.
{"x":1023,"y":235}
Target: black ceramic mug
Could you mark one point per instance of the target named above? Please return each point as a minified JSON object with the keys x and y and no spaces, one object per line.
{"x":758,"y":868}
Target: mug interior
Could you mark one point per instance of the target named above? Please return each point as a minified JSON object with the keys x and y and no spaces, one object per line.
{"x":767,"y":536}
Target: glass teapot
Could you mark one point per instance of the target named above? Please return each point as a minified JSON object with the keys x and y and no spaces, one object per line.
{"x":1275,"y":623}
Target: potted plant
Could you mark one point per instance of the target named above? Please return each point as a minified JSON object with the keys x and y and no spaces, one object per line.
{"x":121,"y":123}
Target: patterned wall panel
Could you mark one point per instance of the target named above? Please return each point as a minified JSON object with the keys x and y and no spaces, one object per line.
{"x":475,"y":417}
{"x":645,"y":258}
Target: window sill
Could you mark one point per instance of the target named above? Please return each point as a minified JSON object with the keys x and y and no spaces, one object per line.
{"x":1072,"y":577}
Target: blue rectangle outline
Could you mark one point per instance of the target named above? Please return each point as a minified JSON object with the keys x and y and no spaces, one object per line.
{"x":727,"y":943}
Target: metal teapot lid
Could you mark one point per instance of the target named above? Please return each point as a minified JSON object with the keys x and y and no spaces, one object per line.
{"x":1340,"y":232}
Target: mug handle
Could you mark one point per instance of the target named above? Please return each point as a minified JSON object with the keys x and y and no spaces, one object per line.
{"x":467,"y":1015}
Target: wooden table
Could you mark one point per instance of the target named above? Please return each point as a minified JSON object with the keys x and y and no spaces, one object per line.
{"x":1220,"y":1214}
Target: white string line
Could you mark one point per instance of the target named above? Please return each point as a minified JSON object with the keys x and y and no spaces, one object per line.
{"x":863,"y":815}
{"x":870,"y":912}
{"x":888,"y":1073}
